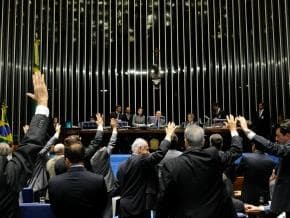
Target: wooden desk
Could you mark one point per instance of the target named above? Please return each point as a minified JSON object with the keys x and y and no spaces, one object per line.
{"x":127,"y":136}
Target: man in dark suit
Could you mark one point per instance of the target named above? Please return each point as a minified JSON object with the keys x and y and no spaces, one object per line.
{"x":60,"y":166}
{"x":281,"y":194}
{"x":14,"y":173}
{"x":117,"y":114}
{"x":135,"y":177}
{"x":217,"y":112}
{"x":127,"y":116}
{"x":157,"y":121}
{"x":78,"y":192}
{"x":262,"y":121}
{"x":191,"y":185}
{"x":257,"y":169}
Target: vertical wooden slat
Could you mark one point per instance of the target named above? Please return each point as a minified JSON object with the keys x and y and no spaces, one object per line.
{"x":248,"y":64}
{"x":171,"y":61}
{"x":203,"y":65}
{"x":84,"y":67}
{"x":190,"y":56}
{"x":261,"y":53}
{"x":197,"y":67}
{"x":254,"y":54}
{"x":234,"y":57}
{"x":287,"y":42}
{"x":66,"y":71}
{"x":104,"y":60}
{"x":274,"y":64}
{"x":209,"y":56}
{"x":282,"y":65}
{"x":52,"y":69}
{"x":184,"y":63}
{"x":13,"y":67}
{"x":72,"y":63}
{"x":242,"y":61}
{"x":20,"y":70}
{"x":165,"y":57}
{"x":6,"y":69}
{"x":268,"y":58}
{"x":60,"y":68}
{"x":147,"y":59}
{"x":1,"y":48}
{"x":110,"y":56}
{"x":178,"y":62}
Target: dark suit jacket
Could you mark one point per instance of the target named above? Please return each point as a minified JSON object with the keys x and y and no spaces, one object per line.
{"x":153,"y":120}
{"x":125,"y":118}
{"x":281,"y":195}
{"x":191,"y":185}
{"x":14,"y":173}
{"x":257,"y":168}
{"x":134,"y":181}
{"x":94,"y":145}
{"x":262,"y":124}
{"x":77,"y":193}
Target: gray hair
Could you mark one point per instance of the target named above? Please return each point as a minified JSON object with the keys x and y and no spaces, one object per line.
{"x":194,"y":135}
{"x":5,"y":149}
{"x":139,"y":142}
{"x":59,"y":148}
{"x":216,"y":140}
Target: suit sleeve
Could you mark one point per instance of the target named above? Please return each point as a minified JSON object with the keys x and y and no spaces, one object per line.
{"x":165,"y":181}
{"x":94,"y":144}
{"x":234,"y":151}
{"x":25,"y":156}
{"x":270,"y":147}
{"x":155,"y":157}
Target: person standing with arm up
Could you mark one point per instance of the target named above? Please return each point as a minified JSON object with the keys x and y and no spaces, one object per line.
{"x":14,"y":173}
{"x":281,"y":195}
{"x":191,"y":184}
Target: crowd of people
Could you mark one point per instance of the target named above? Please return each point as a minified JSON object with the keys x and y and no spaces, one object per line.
{"x":78,"y":180}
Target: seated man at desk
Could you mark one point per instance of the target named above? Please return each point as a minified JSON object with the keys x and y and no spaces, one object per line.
{"x":190,"y":120}
{"x":156,"y":121}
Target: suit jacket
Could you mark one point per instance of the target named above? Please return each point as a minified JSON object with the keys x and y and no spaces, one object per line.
{"x":281,"y":194}
{"x":191,"y":185}
{"x":127,"y":119}
{"x":262,"y":123}
{"x":101,"y":163}
{"x":153,"y":120}
{"x":94,"y":145}
{"x":257,"y":168}
{"x":135,"y":181}
{"x":14,"y":173}
{"x":77,"y":193}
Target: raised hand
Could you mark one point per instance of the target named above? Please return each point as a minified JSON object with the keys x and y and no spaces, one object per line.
{"x":25,"y":128}
{"x":114,"y":123}
{"x":57,"y":130}
{"x":170,"y":129}
{"x":243,"y":122}
{"x":231,"y":123}
{"x":40,"y":94}
{"x":100,"y":120}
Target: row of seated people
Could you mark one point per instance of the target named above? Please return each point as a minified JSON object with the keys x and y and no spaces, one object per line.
{"x":174,"y":184}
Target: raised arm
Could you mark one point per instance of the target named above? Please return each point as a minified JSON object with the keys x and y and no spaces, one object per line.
{"x":264,"y":144}
{"x":25,"y":156}
{"x":235,"y":150}
{"x":51,"y":141}
{"x":95,"y":143}
{"x":155,"y":157}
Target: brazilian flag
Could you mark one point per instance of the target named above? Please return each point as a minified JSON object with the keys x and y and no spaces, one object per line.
{"x":5,"y":132}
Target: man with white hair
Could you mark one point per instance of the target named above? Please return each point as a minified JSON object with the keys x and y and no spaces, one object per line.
{"x":14,"y":172}
{"x":191,"y":185}
{"x":135,"y":177}
{"x":59,"y":153}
